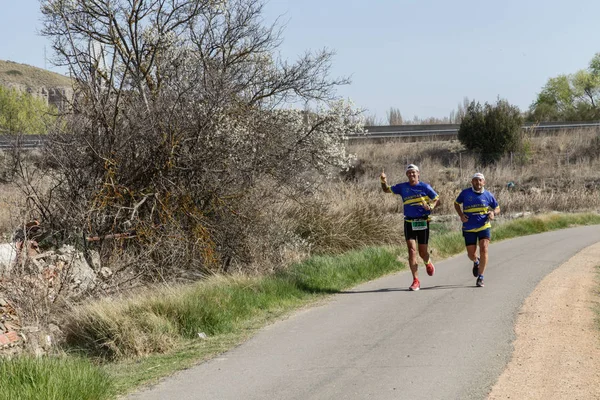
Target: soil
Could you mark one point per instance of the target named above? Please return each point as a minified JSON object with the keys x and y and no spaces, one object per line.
{"x":557,"y":348}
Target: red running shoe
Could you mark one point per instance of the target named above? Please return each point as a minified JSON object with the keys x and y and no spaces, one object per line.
{"x":416,"y":285}
{"x":430,"y":268}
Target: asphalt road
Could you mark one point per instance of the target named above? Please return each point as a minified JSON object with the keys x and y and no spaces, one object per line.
{"x":450,"y":340}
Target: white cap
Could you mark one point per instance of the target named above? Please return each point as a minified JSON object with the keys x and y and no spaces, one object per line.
{"x":478,"y":175}
{"x":412,"y":167}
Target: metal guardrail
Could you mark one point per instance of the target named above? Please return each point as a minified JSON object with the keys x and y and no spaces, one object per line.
{"x":372,"y":132}
{"x":449,"y":130}
{"x":8,"y":142}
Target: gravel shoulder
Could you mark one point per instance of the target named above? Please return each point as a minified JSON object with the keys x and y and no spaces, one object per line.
{"x":557,"y":348}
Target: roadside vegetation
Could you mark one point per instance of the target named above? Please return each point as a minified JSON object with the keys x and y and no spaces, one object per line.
{"x":65,"y":378}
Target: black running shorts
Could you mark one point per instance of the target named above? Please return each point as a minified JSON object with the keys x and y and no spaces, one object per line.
{"x":421,"y":236}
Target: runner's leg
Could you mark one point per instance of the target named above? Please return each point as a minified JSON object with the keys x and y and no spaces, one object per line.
{"x":411,"y":244}
{"x":483,"y":254}
{"x":471,"y":252}
{"x":424,"y":252}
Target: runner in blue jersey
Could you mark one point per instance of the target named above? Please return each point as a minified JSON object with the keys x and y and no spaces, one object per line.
{"x":479,"y":207}
{"x":419,"y":199}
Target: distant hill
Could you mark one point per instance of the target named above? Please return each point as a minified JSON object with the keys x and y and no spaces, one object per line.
{"x":54,"y":88}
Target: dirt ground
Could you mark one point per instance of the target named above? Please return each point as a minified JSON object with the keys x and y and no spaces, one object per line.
{"x":557,"y":348}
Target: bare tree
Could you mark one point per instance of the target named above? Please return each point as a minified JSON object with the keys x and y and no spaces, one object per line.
{"x":456,"y":116}
{"x":372,"y":120}
{"x":181,"y":110}
{"x":394,"y":116}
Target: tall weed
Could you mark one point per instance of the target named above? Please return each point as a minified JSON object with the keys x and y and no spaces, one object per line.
{"x":26,"y":378}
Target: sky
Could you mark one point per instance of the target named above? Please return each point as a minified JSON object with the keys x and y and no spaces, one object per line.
{"x":422,"y":57}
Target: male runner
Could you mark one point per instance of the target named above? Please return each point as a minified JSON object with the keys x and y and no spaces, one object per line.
{"x":419,"y":199}
{"x":479,"y":207}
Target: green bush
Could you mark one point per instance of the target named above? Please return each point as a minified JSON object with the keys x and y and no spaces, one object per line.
{"x":23,"y":113}
{"x":491,"y":130}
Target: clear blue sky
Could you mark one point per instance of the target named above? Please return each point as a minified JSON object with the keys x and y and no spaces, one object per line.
{"x":420,"y":56}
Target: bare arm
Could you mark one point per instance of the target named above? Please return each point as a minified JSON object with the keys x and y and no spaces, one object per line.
{"x":431,"y":205}
{"x":384,"y":185}
{"x":492,"y":214}
{"x":460,"y":212}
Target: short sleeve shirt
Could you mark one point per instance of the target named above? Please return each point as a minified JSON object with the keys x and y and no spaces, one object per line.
{"x":476,"y":206}
{"x":413,"y":198}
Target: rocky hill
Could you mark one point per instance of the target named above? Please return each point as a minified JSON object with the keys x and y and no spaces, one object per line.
{"x":50,"y":86}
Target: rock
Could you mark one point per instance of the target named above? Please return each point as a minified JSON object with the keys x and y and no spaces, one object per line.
{"x":82,"y":274}
{"x":105,"y":272}
{"x":535,"y":190}
{"x":66,"y":249}
{"x":8,"y":256}
{"x":54,"y":329}
{"x":94,"y":257}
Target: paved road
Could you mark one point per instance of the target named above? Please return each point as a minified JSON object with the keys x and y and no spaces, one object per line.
{"x":450,"y":340}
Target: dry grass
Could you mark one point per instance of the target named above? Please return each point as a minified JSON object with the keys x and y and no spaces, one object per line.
{"x":345,"y":217}
{"x":14,"y":211}
{"x":559,"y":172}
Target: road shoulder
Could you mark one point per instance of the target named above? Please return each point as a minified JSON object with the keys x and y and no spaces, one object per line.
{"x":557,"y":347}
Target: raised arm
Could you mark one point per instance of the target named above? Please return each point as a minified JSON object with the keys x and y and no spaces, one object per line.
{"x":384,"y":185}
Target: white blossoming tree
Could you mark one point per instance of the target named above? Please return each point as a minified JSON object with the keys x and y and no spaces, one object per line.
{"x":182,"y":110}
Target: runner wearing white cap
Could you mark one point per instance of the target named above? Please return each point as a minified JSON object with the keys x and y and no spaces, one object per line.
{"x":479,"y":207}
{"x":419,"y":199}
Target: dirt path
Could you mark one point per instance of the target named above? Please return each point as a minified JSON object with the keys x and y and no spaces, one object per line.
{"x":557,"y":349}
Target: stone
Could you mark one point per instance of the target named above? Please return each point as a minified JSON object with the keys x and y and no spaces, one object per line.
{"x":82,"y":275}
{"x":66,"y":249}
{"x":105,"y":272}
{"x":8,"y":256}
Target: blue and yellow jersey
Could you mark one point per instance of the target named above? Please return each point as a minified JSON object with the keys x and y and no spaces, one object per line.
{"x":413,"y":198}
{"x":476,"y":206}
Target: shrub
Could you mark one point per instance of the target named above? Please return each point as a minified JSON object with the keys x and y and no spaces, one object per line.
{"x":491,"y":130}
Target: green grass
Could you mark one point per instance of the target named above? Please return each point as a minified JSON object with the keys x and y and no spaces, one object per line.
{"x":26,"y":378}
{"x":153,"y":334}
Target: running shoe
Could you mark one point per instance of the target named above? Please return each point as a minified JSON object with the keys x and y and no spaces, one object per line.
{"x":430,"y":268}
{"x":476,"y":268}
{"x":479,"y":282}
{"x":416,"y":285}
